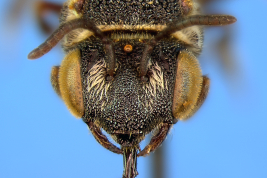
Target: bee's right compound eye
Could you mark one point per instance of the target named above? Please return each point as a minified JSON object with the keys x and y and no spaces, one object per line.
{"x":66,"y":81}
{"x":190,"y":89}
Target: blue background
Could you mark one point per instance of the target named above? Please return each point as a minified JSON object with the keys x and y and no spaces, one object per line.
{"x":227,"y":137}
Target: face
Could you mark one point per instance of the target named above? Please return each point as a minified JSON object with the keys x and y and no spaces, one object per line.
{"x":130,"y":68}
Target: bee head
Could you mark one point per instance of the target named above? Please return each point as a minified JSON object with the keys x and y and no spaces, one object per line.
{"x":130,"y":68}
{"x":130,"y":79}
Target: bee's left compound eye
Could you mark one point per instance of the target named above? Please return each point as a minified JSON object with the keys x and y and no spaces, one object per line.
{"x":190,"y":89}
{"x":67,"y":82}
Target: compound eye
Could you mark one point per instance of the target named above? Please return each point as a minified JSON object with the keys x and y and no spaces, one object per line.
{"x":188,"y":85}
{"x":70,"y":83}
